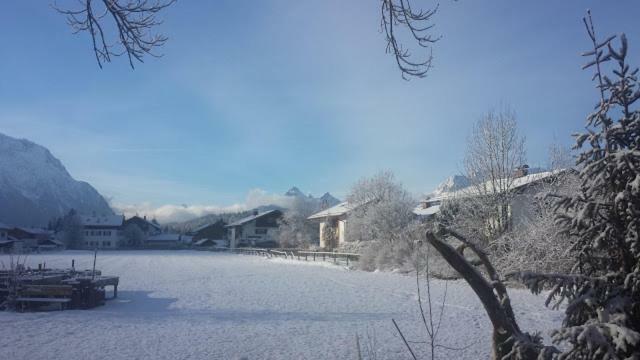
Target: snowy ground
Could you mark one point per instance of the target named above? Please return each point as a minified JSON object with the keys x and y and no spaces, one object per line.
{"x":201,"y":305}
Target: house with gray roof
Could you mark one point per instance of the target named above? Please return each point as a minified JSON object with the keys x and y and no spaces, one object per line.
{"x":259,"y":229}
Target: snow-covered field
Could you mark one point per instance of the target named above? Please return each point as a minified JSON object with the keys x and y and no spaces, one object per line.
{"x":200,"y":305}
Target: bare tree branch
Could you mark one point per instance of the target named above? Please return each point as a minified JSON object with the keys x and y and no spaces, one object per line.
{"x":133,"y":21}
{"x":418,"y":24}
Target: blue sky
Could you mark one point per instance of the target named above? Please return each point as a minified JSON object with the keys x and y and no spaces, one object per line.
{"x":270,"y":94}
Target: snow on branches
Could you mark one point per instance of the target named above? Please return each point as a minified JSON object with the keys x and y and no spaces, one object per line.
{"x":602,"y":317}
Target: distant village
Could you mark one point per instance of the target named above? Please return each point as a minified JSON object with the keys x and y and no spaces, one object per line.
{"x":259,"y":229}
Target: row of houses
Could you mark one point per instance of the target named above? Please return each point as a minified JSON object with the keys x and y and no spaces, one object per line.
{"x":25,"y":239}
{"x":524,"y":186}
{"x":115,"y":231}
{"x":258,"y":229}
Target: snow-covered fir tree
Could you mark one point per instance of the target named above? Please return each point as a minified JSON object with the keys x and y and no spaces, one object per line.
{"x":602,"y":293}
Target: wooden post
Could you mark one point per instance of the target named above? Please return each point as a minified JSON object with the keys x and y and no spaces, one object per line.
{"x":347,"y":260}
{"x":73,"y":264}
{"x":93,"y":272}
{"x":314,"y":256}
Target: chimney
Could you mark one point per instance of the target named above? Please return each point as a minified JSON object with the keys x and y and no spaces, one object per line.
{"x":145,"y":217}
{"x":255,"y":212}
{"x":520,"y":171}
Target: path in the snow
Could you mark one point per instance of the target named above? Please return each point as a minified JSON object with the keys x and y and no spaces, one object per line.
{"x":200,"y":305}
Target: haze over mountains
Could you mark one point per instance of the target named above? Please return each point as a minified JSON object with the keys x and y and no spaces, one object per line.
{"x":283,"y":202}
{"x":35,"y":187}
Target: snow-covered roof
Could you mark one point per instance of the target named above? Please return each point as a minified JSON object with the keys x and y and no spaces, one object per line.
{"x":104,"y":220}
{"x":34,"y":231}
{"x":166,"y":237}
{"x":489,"y":186}
{"x":201,"y":227}
{"x":477,"y":190}
{"x":250,"y":218}
{"x":421,"y":211}
{"x":338,"y":210}
{"x":203,"y":241}
{"x":4,"y":226}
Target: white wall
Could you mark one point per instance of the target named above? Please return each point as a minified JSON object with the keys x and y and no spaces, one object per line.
{"x":101,"y":238}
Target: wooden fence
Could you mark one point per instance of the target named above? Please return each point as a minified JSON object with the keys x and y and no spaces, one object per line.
{"x":306,"y":255}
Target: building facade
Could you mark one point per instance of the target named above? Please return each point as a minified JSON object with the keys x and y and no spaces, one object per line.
{"x":259,"y":229}
{"x":333,"y":224}
{"x":102,"y":232}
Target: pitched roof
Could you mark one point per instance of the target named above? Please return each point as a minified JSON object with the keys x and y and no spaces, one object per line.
{"x":250,"y":218}
{"x":143,"y":219}
{"x":34,"y":231}
{"x":488,"y":185}
{"x":105,"y":220}
{"x":202,"y":241}
{"x":201,"y":227}
{"x":338,"y":210}
{"x":421,"y":211}
{"x":166,"y":237}
{"x":475,"y":190}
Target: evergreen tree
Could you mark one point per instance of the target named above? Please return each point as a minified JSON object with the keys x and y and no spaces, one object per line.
{"x":72,"y":230}
{"x":602,"y":318}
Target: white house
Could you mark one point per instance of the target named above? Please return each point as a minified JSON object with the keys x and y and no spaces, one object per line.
{"x":259,"y":229}
{"x":333,"y":219}
{"x":524,"y":186}
{"x":102,"y":232}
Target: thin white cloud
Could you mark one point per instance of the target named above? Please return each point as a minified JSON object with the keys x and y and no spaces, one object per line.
{"x":176,"y":213}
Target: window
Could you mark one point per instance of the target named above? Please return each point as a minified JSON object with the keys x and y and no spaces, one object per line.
{"x":261,"y":231}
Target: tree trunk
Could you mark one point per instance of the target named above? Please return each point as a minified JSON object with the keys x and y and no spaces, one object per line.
{"x":494,"y":299}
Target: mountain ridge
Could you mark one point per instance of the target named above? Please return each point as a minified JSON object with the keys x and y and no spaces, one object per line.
{"x":35,"y":187}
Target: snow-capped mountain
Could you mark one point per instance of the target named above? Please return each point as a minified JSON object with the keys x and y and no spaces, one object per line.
{"x":35,"y":187}
{"x":452,"y":183}
{"x":326,"y":200}
{"x":294,"y":191}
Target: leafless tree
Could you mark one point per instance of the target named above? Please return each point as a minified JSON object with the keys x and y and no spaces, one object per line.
{"x":535,"y":242}
{"x":495,"y":153}
{"x":295,"y":230}
{"x":560,"y":157}
{"x":399,"y":13}
{"x":430,"y":318}
{"x":380,"y":218}
{"x":133,"y":21}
